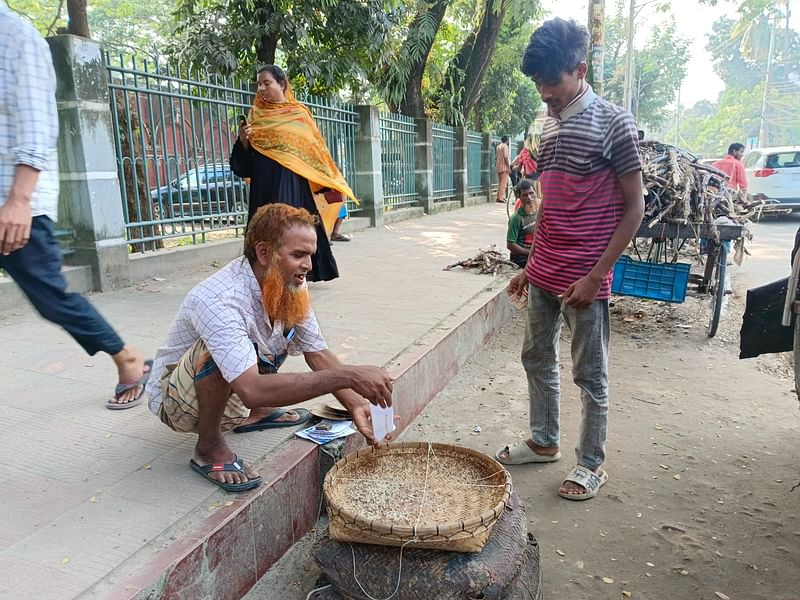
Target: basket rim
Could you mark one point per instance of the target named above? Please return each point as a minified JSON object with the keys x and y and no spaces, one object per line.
{"x":486,"y":517}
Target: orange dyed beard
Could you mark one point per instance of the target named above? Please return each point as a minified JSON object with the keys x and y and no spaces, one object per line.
{"x":285,"y":303}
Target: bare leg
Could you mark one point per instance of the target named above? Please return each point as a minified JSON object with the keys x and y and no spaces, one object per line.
{"x":213,"y":393}
{"x":335,"y":235}
{"x":130,"y":367}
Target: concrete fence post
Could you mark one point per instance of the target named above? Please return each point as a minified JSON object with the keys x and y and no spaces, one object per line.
{"x":369,"y":174}
{"x":460,"y":162}
{"x":423,"y":164}
{"x":487,"y":164}
{"x":90,"y":195}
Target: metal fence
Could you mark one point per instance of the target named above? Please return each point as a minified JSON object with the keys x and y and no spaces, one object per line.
{"x":173,"y":138}
{"x":474,"y":147}
{"x":398,"y":135}
{"x":444,"y":139}
{"x":337,"y":122}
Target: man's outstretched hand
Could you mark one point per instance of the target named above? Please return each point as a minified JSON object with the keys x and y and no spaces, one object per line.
{"x":363,"y":422}
{"x":373,"y":383}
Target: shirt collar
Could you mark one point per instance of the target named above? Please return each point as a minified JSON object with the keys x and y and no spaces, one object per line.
{"x":578,"y":104}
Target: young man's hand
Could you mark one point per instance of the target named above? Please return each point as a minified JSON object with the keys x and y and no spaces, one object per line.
{"x":582,"y":293}
{"x":517,"y":284}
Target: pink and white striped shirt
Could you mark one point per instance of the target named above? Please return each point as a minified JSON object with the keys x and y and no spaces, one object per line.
{"x":582,"y":154}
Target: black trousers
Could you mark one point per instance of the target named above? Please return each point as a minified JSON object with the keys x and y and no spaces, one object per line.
{"x":36,"y":268}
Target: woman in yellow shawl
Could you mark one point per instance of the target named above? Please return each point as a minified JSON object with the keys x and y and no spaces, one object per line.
{"x":283,"y":153}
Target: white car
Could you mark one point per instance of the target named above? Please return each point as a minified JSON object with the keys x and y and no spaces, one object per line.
{"x":774,"y":173}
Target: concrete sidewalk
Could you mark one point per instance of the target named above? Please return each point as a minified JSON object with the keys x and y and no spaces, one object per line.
{"x":91,"y":497}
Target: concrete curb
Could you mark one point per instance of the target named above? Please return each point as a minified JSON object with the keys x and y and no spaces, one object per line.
{"x":225,"y":554}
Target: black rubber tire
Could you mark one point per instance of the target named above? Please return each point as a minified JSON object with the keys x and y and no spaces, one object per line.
{"x":718,"y":289}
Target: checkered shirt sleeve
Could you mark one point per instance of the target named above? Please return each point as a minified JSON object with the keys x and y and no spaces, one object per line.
{"x":28,"y":115}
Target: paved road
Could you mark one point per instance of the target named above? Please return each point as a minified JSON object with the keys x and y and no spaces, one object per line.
{"x":770,"y":249}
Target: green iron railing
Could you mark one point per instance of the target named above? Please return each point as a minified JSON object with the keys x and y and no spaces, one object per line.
{"x":444,"y":138}
{"x":337,"y":122}
{"x":474,"y":146}
{"x":173,"y":139}
{"x":398,"y":135}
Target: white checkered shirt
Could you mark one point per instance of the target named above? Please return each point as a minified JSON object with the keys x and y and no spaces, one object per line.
{"x":28,"y":115}
{"x":226,"y":312}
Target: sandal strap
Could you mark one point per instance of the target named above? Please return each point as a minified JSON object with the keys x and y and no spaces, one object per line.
{"x":233,"y":466}
{"x":586,"y":478}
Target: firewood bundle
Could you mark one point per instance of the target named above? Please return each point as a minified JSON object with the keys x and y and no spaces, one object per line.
{"x":680,"y":189}
{"x":488,"y":261}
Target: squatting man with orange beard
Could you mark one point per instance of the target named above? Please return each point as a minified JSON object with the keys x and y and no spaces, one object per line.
{"x":218,"y":368}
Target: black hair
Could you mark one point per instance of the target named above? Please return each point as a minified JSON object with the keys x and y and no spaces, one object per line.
{"x":735,"y":147}
{"x":557,"y":47}
{"x":274,"y":70}
{"x":504,"y":139}
{"x":524,"y":184}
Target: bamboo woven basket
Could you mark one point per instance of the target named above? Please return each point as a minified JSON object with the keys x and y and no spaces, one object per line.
{"x":427,"y":495}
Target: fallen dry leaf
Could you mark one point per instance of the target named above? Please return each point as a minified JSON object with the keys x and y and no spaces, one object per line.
{"x":676,"y":476}
{"x":626,"y":594}
{"x":93,"y":499}
{"x":65,"y":560}
{"x":146,"y":467}
{"x":229,"y":503}
{"x":608,"y":580}
{"x":721,"y":596}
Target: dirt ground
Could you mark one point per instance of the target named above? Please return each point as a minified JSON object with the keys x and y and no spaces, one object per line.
{"x":703,"y":452}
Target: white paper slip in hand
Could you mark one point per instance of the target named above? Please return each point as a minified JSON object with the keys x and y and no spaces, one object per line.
{"x":382,"y":421}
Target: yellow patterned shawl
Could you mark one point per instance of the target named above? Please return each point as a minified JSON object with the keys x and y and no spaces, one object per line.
{"x":286,"y":133}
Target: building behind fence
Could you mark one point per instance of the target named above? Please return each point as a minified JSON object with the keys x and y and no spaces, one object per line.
{"x":166,"y":140}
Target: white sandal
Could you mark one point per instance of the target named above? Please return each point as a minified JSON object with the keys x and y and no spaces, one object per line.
{"x":587,"y":479}
{"x":521,"y":454}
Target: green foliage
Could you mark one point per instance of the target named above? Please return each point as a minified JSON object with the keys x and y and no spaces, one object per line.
{"x":509,"y":101}
{"x":140,"y":28}
{"x":734,"y":119}
{"x":729,"y":64}
{"x":325,"y":45}
{"x":659,"y":69}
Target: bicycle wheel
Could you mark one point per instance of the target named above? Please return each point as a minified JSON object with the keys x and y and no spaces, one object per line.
{"x":510,"y":200}
{"x":716,"y":286}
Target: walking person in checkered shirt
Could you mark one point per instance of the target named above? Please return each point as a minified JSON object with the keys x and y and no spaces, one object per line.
{"x":29,"y":252}
{"x":217,"y":370}
{"x":592,"y":205}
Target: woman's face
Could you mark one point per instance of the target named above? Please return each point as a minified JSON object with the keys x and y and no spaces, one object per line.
{"x":270,"y":89}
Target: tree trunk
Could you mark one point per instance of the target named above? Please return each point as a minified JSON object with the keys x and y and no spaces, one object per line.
{"x":411,"y":102}
{"x":78,"y":23}
{"x":468,"y":68}
{"x":267,"y":41}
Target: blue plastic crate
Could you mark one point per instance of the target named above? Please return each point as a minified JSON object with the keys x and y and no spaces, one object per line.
{"x":656,"y":281}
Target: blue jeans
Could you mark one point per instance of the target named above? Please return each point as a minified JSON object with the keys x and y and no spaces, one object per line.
{"x":590,"y":337}
{"x":36,"y":268}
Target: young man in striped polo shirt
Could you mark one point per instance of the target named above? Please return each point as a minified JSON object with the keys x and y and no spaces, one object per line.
{"x":592,"y":205}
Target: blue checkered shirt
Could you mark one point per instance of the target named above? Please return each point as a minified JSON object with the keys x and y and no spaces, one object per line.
{"x":28,"y":115}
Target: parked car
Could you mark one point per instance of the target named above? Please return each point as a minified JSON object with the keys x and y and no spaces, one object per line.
{"x":774,"y":174}
{"x":203,"y":191}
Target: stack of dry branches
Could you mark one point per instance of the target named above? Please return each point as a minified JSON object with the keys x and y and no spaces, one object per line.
{"x":680,"y":189}
{"x":488,"y":261}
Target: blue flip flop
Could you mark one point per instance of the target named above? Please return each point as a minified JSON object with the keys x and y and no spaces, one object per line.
{"x":235,"y":466}
{"x":269,"y":422}
{"x":124,"y":387}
